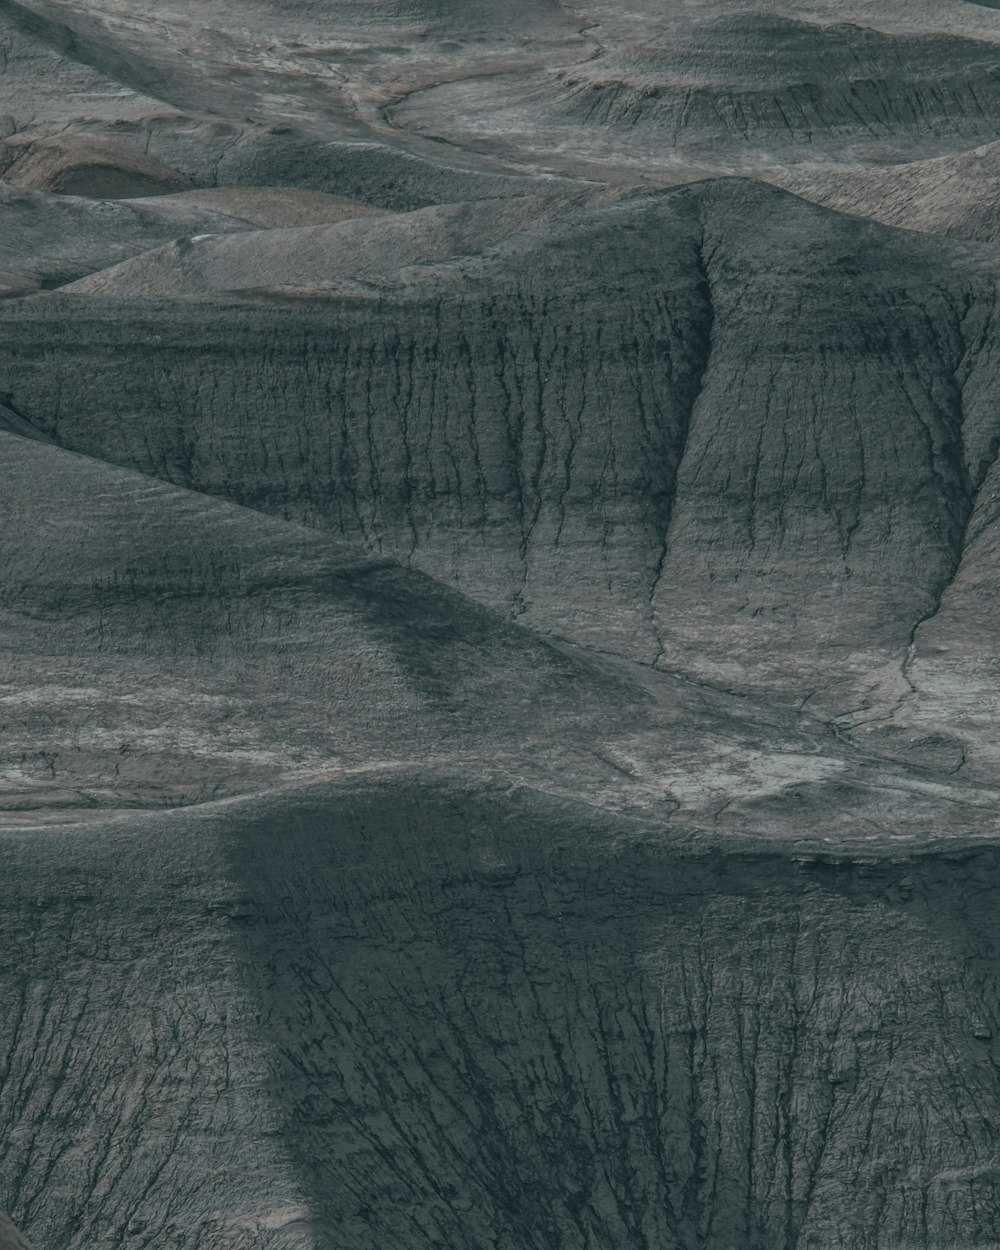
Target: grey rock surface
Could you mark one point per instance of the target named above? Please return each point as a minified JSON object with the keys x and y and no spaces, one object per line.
{"x":499,"y":571}
{"x":421,"y":1013}
{"x":799,"y":458}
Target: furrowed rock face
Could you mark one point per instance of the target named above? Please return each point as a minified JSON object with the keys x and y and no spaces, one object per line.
{"x":414,"y":1014}
{"x":498,"y":584}
{"x":660,"y":432}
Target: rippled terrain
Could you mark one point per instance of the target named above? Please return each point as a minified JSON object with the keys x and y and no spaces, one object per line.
{"x":499,"y":690}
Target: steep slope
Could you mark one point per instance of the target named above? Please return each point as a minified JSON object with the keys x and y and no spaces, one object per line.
{"x":415,"y":1012}
{"x":161,"y":648}
{"x":718,"y":429}
{"x":443,"y":483}
{"x":531,"y":962}
{"x":590,"y":1040}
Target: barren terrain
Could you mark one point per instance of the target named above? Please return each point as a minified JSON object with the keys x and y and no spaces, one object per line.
{"x":499,"y":571}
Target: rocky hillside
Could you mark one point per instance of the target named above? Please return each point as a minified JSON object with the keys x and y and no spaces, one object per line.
{"x":421,"y":1013}
{"x":499,"y":566}
{"x":715,"y":429}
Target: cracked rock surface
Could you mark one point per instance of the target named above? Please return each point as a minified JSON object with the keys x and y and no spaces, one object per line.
{"x":499,"y":571}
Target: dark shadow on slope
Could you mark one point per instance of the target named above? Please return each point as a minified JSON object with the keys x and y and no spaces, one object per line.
{"x":12,"y":422}
{"x":499,"y":1021}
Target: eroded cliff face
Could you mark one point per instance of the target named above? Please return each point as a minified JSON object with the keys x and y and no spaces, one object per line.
{"x":621,"y":1047}
{"x":715,"y":429}
{"x":414,"y":1014}
{"x":500,"y":1012}
{"x":498,"y":694}
{"x":469,"y":431}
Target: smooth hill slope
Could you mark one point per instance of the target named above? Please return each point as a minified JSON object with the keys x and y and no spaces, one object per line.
{"x":163,"y":649}
{"x":10,"y":1237}
{"x":130,"y":103}
{"x":950,"y":195}
{"x":410,"y":104}
{"x":51,"y":240}
{"x":366,"y":250}
{"x":268,"y":208}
